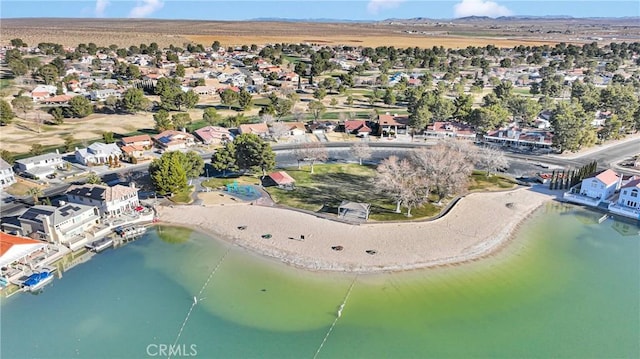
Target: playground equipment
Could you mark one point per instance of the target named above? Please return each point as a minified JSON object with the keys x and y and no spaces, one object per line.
{"x":245,"y":190}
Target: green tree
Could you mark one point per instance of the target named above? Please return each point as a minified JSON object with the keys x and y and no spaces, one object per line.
{"x":211,"y":116}
{"x":57,"y":114}
{"x":6,"y":113}
{"x":462,"y":104}
{"x":320,"y":93}
{"x":35,"y":193}
{"x":192,"y":163}
{"x":162,"y":120}
{"x":389,"y":97}
{"x":244,"y":100}
{"x":93,"y":178}
{"x":187,"y":99}
{"x":180,"y":70}
{"x":283,"y":107}
{"x":316,"y":108}
{"x":48,"y":74}
{"x":524,"y":109}
{"x":18,"y":68}
{"x":69,"y":143}
{"x":36,"y":149}
{"x":168,"y":174}
{"x":180,"y":120}
{"x":572,"y":127}
{"x":253,"y":154}
{"x":224,"y":159}
{"x":132,"y":100}
{"x":80,"y":106}
{"x":228,"y":97}
{"x":108,"y":137}
{"x":23,"y":104}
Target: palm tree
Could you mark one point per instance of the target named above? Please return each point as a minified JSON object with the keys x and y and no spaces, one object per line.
{"x":35,"y":192}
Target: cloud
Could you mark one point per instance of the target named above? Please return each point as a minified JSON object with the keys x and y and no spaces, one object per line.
{"x":480,"y":8}
{"x":374,"y":6}
{"x":101,"y":5}
{"x":145,"y":8}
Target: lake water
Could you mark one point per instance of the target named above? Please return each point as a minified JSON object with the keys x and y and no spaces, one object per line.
{"x":566,"y":287}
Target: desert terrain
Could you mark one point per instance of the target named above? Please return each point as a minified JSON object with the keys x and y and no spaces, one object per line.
{"x":400,"y":33}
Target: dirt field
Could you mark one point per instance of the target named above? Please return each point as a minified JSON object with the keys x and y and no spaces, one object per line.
{"x":458,"y":33}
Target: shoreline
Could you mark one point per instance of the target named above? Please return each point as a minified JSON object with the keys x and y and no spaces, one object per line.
{"x":480,"y":225}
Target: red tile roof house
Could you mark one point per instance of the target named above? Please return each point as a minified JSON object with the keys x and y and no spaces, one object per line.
{"x":172,"y":140}
{"x":452,"y":129}
{"x":139,"y":140}
{"x":280,"y":179}
{"x":259,"y":129}
{"x":214,"y":135}
{"x":596,"y":189}
{"x":357,"y":127}
{"x":393,"y":125}
{"x":133,"y":153}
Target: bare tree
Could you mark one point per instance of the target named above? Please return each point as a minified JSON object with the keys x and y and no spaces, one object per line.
{"x":388,"y":180}
{"x":491,"y":159}
{"x":448,"y":170}
{"x":268,"y":119}
{"x":361,"y":151}
{"x":399,"y":180}
{"x":298,"y":114}
{"x":312,"y":152}
{"x":278,"y":129}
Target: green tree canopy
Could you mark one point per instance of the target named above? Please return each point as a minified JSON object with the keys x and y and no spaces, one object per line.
{"x":6,"y":113}
{"x":80,"y":106}
{"x":132,"y":100}
{"x":163,"y":122}
{"x":253,"y":154}
{"x":168,"y":174}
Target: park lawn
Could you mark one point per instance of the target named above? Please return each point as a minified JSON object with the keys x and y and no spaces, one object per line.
{"x":324,"y":190}
{"x":292,"y":59}
{"x":183,"y":196}
{"x":218,"y":182}
{"x":480,"y":182}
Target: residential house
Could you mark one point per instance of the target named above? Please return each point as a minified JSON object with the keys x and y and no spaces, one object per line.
{"x":204,"y":90}
{"x":296,"y":128}
{"x":110,"y":201}
{"x":57,"y":100}
{"x":290,"y":76}
{"x":101,"y":95}
{"x":357,"y":127}
{"x":172,"y":140}
{"x":66,"y":225}
{"x":321,"y":127}
{"x":39,"y":166}
{"x":596,"y":189}
{"x":450,"y":129}
{"x":257,"y":79}
{"x":259,"y":129}
{"x":393,"y":125}
{"x":43,"y":91}
{"x":628,"y":203}
{"x":139,"y":140}
{"x":7,"y":177}
{"x":14,"y":249}
{"x":98,"y":153}
{"x":214,"y":135}
{"x":133,"y":153}
{"x":514,"y":136}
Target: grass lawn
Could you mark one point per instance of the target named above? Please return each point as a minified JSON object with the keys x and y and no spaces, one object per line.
{"x":324,"y":190}
{"x":480,"y":182}
{"x":183,"y":196}
{"x":20,"y":188}
{"x":217,"y":182}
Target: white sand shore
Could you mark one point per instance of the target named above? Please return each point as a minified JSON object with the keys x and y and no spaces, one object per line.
{"x":477,"y":226}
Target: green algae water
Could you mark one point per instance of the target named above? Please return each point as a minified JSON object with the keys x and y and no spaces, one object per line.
{"x":565,"y":287}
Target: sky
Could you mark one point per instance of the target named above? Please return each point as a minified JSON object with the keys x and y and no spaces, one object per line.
{"x":313,"y":9}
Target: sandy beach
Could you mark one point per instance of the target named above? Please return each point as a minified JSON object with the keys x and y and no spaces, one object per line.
{"x":478,"y":225}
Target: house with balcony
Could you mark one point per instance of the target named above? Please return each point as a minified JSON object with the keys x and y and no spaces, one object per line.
{"x":393,"y":125}
{"x":595,"y":190}
{"x":139,"y":140}
{"x":7,"y":177}
{"x":98,"y":153}
{"x":628,"y":203}
{"x":39,"y":166}
{"x":110,"y":201}
{"x":69,"y":224}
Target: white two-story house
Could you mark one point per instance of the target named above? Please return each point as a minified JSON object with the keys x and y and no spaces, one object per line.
{"x":628,"y":203}
{"x":110,"y":201}
{"x":7,"y":178}
{"x":98,"y":153}
{"x":596,"y":189}
{"x":67,"y":225}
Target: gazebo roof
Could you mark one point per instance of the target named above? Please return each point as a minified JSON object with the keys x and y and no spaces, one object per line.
{"x":281,"y":178}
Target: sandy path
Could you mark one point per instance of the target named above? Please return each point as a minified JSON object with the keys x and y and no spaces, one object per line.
{"x":477,"y":226}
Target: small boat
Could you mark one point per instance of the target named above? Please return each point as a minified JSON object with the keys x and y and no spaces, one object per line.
{"x":36,"y":281}
{"x":100,"y":244}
